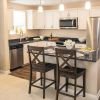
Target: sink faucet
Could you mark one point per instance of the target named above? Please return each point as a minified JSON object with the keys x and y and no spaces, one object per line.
{"x":51,"y":35}
{"x":21,"y":35}
{"x":26,"y":38}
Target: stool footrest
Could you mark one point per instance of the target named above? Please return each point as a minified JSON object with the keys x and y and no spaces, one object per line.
{"x":40,"y":86}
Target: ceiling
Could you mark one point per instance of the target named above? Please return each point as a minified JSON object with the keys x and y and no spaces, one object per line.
{"x":46,"y":2}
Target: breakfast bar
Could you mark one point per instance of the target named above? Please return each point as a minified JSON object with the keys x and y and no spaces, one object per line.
{"x":83,"y":61}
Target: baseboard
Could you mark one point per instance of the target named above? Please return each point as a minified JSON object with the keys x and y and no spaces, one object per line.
{"x":92,"y":96}
{"x":5,"y":72}
{"x":98,"y":95}
{"x":95,"y":97}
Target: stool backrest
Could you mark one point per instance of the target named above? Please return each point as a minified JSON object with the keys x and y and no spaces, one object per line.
{"x":66,"y":55}
{"x":34,"y":53}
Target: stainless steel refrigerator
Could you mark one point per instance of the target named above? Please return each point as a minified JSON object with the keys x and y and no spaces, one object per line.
{"x":93,"y":34}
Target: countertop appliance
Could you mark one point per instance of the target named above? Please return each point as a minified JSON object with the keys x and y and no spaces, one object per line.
{"x":93,"y":34}
{"x":68,"y":22}
{"x":16,"y":56}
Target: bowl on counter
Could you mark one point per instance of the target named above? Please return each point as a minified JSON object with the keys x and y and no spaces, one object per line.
{"x":42,"y":37}
{"x":36,"y":38}
{"x":82,"y":39}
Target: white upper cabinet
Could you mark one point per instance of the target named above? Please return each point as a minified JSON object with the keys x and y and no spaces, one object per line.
{"x":62,"y":14}
{"x":68,"y":13}
{"x":48,"y":20}
{"x":95,"y":12}
{"x":82,"y":19}
{"x":51,"y":19}
{"x":73,"y":13}
{"x":55,"y":20}
{"x":31,"y":19}
{"x":40,"y":21}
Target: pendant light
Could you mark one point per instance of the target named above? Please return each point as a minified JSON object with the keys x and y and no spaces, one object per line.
{"x":40,"y":7}
{"x":88,"y":5}
{"x":61,"y":6}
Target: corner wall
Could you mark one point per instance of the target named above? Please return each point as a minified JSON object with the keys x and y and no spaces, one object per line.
{"x":4,"y":48}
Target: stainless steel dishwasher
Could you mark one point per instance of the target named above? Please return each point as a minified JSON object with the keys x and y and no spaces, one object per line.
{"x":16,"y":56}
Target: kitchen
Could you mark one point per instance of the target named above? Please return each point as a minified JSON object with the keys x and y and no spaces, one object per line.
{"x":47,"y":25}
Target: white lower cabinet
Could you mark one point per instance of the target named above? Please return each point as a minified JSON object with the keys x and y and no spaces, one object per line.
{"x":25,"y":52}
{"x":25,"y":49}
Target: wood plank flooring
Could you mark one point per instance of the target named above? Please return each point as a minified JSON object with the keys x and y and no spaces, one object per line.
{"x":23,"y":73}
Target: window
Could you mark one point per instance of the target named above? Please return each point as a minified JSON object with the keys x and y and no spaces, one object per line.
{"x":19,"y":22}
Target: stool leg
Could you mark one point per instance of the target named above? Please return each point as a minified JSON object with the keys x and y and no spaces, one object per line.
{"x":30,"y":80}
{"x":58,"y":83}
{"x":84,"y":83}
{"x":75,"y":83}
{"x":41,"y":78}
{"x":43,"y":85}
{"x":55,"y":78}
{"x":66,"y":79}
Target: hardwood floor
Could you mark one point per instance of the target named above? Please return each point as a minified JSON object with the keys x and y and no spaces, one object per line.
{"x":23,"y":73}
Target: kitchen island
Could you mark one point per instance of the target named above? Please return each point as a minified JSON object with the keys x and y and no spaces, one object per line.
{"x":89,"y":62}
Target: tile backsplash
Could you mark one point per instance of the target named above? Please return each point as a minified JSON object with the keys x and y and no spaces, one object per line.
{"x":73,"y":33}
{"x":63,"y":33}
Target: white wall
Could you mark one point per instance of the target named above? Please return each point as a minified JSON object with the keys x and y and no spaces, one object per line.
{"x":4,"y":49}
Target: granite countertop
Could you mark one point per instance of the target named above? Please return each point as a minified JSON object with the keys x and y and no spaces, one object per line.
{"x":31,"y":39}
{"x":91,"y":57}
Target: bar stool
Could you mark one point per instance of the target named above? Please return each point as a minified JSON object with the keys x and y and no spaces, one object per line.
{"x":65,"y":69}
{"x":40,"y":66}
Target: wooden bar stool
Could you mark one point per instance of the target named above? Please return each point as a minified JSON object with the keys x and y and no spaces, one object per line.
{"x":40,"y":66}
{"x":65,"y":69}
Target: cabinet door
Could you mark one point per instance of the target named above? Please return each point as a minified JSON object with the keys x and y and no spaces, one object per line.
{"x":72,"y":12}
{"x":63,"y":14}
{"x":55,"y":20}
{"x":31,"y":19}
{"x":29,"y":15}
{"x":25,"y":54}
{"x":95,"y":12}
{"x":40,"y":20}
{"x":69,"y":13}
{"x":82,"y":19}
{"x":48,"y":20}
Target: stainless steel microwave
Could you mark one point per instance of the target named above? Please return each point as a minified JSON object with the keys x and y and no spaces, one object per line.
{"x":68,"y":23}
